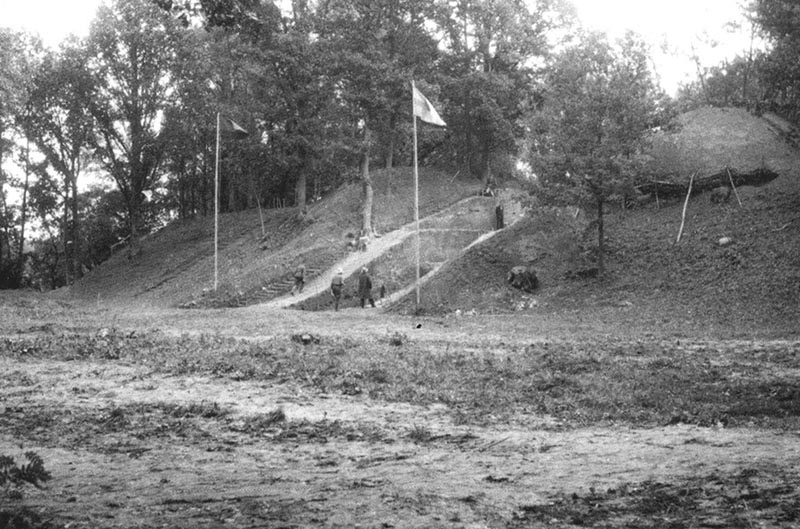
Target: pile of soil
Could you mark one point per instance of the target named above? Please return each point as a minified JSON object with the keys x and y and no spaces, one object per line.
{"x":708,"y":139}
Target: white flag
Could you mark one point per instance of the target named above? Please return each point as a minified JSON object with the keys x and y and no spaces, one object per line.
{"x":425,"y":111}
{"x":237,"y":131}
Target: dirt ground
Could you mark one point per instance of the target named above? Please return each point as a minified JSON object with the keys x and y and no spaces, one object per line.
{"x":130,"y":445}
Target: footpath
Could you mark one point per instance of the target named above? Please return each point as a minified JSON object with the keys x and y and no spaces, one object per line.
{"x":375,"y":249}
{"x":349,"y":265}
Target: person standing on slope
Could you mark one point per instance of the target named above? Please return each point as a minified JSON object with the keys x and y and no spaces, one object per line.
{"x":299,"y":278}
{"x":337,"y":283}
{"x":365,"y":288}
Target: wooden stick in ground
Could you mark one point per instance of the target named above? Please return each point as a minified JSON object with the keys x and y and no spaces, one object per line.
{"x":685,"y":204}
{"x":261,"y":215}
{"x":734,"y":187}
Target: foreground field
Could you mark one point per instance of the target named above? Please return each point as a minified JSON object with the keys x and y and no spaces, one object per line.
{"x":228,"y":419}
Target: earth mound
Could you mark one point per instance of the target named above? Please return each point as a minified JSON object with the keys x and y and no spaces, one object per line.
{"x":258,"y":250}
{"x":752,"y":281}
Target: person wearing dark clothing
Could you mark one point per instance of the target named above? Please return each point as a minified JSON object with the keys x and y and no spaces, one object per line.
{"x":365,"y":288}
{"x":362,"y":241}
{"x":337,"y":283}
{"x":299,"y":278}
{"x":498,"y":213}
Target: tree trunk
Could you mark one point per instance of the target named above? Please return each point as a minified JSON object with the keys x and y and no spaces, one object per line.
{"x":2,"y":195}
{"x":390,"y":153}
{"x":183,"y":205}
{"x":134,"y":212}
{"x":366,"y":185}
{"x":231,"y":191}
{"x":700,"y":75}
{"x":486,"y":170}
{"x":207,"y":190}
{"x":77,"y":271}
{"x":24,"y":212}
{"x":65,"y":231}
{"x":600,"y":239}
{"x":191,"y":210}
{"x":300,"y":191}
{"x":389,"y":158}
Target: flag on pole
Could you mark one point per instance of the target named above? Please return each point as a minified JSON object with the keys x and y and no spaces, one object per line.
{"x":235,"y":130}
{"x":423,"y":109}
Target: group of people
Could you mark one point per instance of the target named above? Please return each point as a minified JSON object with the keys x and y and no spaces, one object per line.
{"x":364,"y":288}
{"x":337,"y":285}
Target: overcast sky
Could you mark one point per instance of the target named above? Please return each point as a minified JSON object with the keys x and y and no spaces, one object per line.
{"x":670,"y":27}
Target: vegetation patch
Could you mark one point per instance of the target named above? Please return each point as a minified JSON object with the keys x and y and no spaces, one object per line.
{"x":735,"y":500}
{"x":634,"y":382}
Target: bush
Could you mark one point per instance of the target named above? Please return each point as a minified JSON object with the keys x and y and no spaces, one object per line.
{"x":15,"y":475}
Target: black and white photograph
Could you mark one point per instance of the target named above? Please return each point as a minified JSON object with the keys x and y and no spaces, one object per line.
{"x":399,"y":264}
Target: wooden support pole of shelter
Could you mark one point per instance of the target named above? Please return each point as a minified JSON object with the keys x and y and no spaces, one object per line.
{"x":733,"y":186}
{"x":261,"y":215}
{"x":685,"y":204}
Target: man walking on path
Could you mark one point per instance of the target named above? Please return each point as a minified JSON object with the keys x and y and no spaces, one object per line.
{"x":336,"y":288}
{"x":365,"y":288}
{"x":299,"y":278}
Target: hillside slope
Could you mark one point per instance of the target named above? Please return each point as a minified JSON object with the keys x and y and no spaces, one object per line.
{"x":697,"y":284}
{"x":176,"y":266}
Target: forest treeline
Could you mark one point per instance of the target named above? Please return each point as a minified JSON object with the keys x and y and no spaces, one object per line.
{"x":323,"y":88}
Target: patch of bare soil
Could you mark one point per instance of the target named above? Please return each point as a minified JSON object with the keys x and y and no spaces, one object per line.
{"x":129,"y":448}
{"x":664,"y":396}
{"x":403,"y":423}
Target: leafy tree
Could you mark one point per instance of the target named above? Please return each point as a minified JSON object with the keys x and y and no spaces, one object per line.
{"x":132,"y":53}
{"x":600,"y":103}
{"x":224,"y":68}
{"x":48,"y":261}
{"x":304,"y":121}
{"x":780,"y":71}
{"x":57,"y":122}
{"x":105,"y":223}
{"x":17,"y":59}
{"x":189,"y":128}
{"x":733,"y":82}
{"x":493,"y":49}
{"x":374,"y":49}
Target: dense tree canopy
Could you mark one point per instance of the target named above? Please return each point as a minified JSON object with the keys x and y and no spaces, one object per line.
{"x":17,"y":61}
{"x":780,"y":71}
{"x":495,"y":48}
{"x":133,"y":54}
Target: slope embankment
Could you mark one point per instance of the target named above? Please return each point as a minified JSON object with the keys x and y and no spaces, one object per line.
{"x":748,"y":283}
{"x":259,"y":249}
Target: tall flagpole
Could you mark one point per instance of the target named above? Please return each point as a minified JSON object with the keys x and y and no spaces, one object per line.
{"x":416,"y":186}
{"x":216,"y":205}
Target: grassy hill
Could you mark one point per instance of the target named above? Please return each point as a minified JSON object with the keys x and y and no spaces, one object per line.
{"x":176,"y":266}
{"x":697,"y":284}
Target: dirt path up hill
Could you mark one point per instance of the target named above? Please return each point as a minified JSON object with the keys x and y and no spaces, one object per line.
{"x":473,"y":214}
